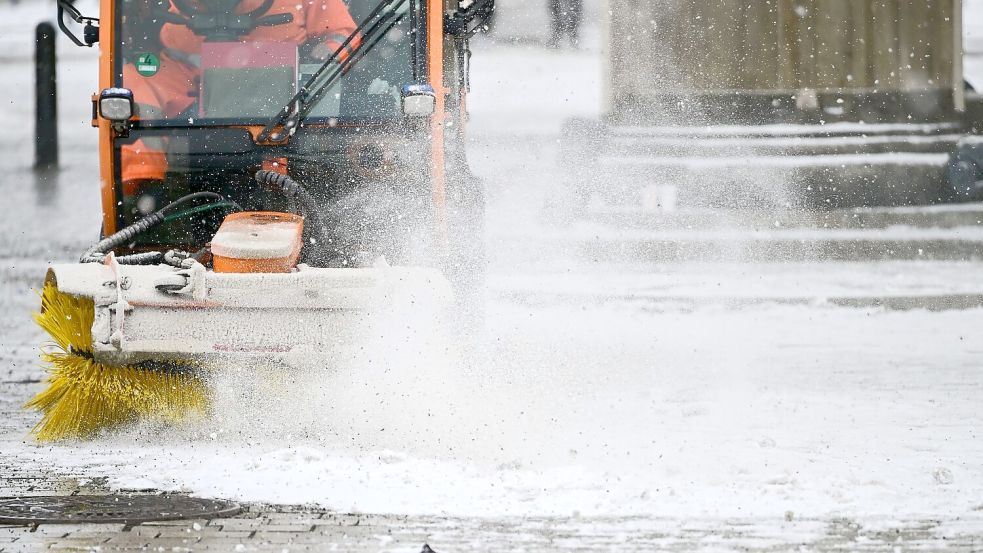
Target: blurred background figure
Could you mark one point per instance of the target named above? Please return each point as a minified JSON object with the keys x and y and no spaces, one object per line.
{"x":565,"y":17}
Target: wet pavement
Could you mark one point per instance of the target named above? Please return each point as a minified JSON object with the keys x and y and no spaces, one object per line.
{"x":269,"y":529}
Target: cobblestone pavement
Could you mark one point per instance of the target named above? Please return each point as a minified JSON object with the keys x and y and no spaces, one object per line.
{"x":281,"y":529}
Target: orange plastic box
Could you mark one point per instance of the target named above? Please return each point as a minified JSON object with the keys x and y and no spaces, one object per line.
{"x":258,"y":242}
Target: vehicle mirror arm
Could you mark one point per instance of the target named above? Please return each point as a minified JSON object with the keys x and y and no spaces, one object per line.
{"x":91,"y":30}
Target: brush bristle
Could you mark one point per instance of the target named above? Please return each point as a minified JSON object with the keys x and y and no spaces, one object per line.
{"x":84,"y":396}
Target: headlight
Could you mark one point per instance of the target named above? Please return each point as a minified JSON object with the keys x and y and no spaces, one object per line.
{"x":116,"y":104}
{"x":419,"y":100}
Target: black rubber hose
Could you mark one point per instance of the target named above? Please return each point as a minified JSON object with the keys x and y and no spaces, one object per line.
{"x":293,"y":190}
{"x":145,"y":258}
{"x":98,"y":251}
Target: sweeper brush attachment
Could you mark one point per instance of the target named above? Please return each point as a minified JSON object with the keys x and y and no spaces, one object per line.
{"x":138,"y":342}
{"x":85,"y":396}
{"x":211,"y":256}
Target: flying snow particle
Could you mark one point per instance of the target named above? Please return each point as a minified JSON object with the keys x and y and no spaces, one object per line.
{"x":942,"y":476}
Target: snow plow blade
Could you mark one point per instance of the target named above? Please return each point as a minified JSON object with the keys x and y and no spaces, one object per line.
{"x":158,"y":313}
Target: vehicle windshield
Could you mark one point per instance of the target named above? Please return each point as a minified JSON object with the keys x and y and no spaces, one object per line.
{"x":239,"y":61}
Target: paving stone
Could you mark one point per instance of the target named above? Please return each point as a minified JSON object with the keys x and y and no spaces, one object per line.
{"x":338,"y":520}
{"x":240,"y":527}
{"x":169,"y":543}
{"x":185,"y":522}
{"x":235,"y":534}
{"x":283,"y":537}
{"x":238,"y":524}
{"x":90,"y":537}
{"x":229,"y":546}
{"x":176,"y":532}
{"x":299,"y":548}
{"x":286,"y":528}
{"x":126,"y":539}
{"x":145,"y":531}
{"x":293,"y":517}
{"x":100,"y":531}
{"x":20,"y":548}
{"x":73,"y":544}
{"x":53,"y":530}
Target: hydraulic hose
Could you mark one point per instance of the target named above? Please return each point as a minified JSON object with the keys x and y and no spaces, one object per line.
{"x":97,"y":253}
{"x":294,"y":191}
{"x":283,"y":183}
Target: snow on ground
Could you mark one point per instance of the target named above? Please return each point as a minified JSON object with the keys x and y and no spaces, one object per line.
{"x":715,"y":413}
{"x":711,"y":282}
{"x":569,"y":408}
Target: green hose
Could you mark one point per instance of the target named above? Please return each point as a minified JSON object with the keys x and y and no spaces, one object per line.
{"x":199,"y":209}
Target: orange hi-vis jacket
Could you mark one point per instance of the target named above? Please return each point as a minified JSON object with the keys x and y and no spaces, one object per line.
{"x":313,"y":20}
{"x":173,"y":89}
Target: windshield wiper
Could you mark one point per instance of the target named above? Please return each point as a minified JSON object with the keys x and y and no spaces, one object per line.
{"x":366,"y":35}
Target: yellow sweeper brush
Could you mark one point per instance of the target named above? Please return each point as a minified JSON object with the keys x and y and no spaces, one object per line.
{"x":85,"y":395}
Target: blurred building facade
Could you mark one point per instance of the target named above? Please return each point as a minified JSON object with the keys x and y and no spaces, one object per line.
{"x":788,"y":60}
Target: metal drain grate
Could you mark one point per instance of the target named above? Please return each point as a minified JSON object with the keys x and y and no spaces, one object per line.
{"x":131,"y":509}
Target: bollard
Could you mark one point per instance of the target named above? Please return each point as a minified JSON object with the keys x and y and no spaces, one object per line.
{"x":46,"y":98}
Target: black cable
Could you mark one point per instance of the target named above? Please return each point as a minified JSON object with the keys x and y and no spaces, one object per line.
{"x":97,"y":253}
{"x":99,"y":250}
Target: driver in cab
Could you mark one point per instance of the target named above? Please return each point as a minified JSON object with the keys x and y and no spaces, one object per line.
{"x":168,"y":84}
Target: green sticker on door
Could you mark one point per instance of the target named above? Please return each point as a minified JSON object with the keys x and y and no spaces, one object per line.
{"x":147,"y":65}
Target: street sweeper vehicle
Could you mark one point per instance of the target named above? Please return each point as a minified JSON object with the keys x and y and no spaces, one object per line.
{"x":271,"y":170}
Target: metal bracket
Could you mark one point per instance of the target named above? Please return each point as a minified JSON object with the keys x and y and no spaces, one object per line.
{"x":119,"y":308}
{"x":189,"y":282}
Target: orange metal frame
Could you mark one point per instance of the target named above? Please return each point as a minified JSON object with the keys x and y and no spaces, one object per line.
{"x":435,"y":62}
{"x":435,"y":68}
{"x":107,"y":40}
